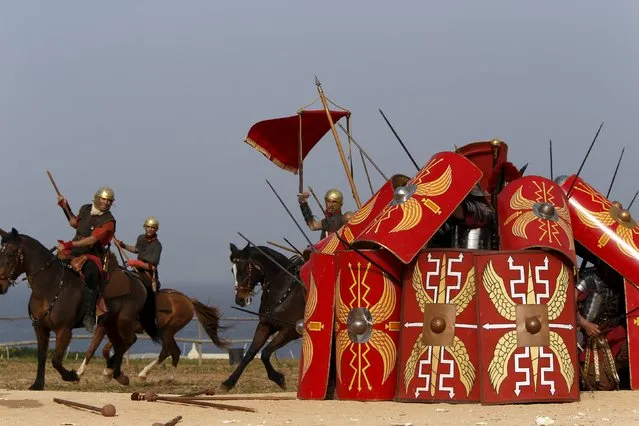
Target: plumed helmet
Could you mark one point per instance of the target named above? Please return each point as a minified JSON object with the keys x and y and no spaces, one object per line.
{"x":104,"y":192}
{"x":334,"y":195}
{"x":152,"y":222}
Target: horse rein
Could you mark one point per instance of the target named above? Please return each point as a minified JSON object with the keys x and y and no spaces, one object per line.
{"x":251,"y":267}
{"x":12,"y":276}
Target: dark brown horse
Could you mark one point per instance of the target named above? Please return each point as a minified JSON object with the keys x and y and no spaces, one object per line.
{"x":174,"y":310}
{"x":56,"y":303}
{"x":281,"y":306}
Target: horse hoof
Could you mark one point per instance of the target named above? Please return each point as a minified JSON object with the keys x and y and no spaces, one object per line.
{"x":36,"y":387}
{"x":71,"y":376}
{"x":225,"y":387}
{"x":282,"y":385}
{"x":123,"y":379}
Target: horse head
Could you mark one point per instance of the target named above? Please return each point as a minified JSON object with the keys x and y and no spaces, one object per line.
{"x":11,"y":259}
{"x":246,"y":273}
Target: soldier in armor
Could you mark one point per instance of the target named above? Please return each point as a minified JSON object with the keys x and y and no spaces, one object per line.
{"x":601,"y":338}
{"x":334,"y":219}
{"x":95,"y":227}
{"x":148,"y":249}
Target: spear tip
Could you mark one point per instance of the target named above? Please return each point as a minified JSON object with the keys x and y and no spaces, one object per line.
{"x":317,"y":82}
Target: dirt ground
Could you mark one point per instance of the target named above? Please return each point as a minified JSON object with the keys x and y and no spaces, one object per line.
{"x":38,"y":408}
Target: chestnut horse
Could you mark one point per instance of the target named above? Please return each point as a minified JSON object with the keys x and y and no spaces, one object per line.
{"x":174,"y":310}
{"x":56,"y":303}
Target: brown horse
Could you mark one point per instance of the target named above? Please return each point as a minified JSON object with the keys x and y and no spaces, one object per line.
{"x":174,"y":310}
{"x":56,"y":303}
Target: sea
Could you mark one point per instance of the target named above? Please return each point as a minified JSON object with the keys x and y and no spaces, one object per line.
{"x":14,"y":304}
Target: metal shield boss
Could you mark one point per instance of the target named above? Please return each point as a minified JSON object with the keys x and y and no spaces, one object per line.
{"x":362,"y":217}
{"x":317,"y":337}
{"x":527,"y":330}
{"x":533,"y":213}
{"x":419,"y":208}
{"x":367,"y":328}
{"x":438,"y":341}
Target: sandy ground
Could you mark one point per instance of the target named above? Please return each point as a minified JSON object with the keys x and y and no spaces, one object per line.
{"x":38,"y":408}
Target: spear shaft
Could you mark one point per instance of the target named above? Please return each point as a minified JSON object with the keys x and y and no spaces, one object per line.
{"x":399,"y":139}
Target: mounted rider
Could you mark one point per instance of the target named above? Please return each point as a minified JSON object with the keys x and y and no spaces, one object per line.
{"x":95,"y":227}
{"x":334,"y":218}
{"x":149,"y":250}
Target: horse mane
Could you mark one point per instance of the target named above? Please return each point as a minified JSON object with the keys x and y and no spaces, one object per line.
{"x":32,"y":242}
{"x":276,"y":255}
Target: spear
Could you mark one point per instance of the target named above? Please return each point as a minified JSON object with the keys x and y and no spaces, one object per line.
{"x":615,"y":174}
{"x":293,"y":247}
{"x":290,"y":214}
{"x":584,"y":161}
{"x":363,"y":152}
{"x":633,"y":200}
{"x":272,"y":260}
{"x":399,"y":139}
{"x":551,"y":173}
{"x":368,"y":177}
{"x":338,"y":142}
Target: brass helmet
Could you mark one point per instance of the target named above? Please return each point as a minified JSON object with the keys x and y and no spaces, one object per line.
{"x":334,"y":195}
{"x":152,"y":222}
{"x":103,"y":192}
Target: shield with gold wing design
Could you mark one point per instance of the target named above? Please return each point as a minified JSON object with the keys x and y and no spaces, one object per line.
{"x":362,"y":217}
{"x":438,"y":343}
{"x":603,"y":227}
{"x":319,"y":277}
{"x":533,"y":213}
{"x":421,"y":207}
{"x":367,"y":316}
{"x":527,"y":330}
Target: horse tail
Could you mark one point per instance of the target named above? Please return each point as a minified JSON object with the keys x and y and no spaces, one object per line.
{"x":147,"y":317}
{"x":209,"y":317}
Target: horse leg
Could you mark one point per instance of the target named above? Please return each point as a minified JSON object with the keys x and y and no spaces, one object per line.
{"x":262,"y":332}
{"x":98,"y":335}
{"x":281,"y":339}
{"x":106,"y":350}
{"x":125,"y":339}
{"x":42,"y":334}
{"x":168,"y":348}
{"x":62,"y":340}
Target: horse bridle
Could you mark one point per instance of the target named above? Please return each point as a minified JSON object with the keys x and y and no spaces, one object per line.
{"x":13,"y":275}
{"x":251,"y":268}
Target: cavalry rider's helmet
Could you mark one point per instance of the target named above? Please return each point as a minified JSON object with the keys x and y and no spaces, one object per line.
{"x":103,"y":192}
{"x":334,"y":195}
{"x":152,"y":222}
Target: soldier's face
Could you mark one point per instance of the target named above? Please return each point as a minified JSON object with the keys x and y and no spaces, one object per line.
{"x":150,"y":230}
{"x":332,"y":206}
{"x":104,"y":204}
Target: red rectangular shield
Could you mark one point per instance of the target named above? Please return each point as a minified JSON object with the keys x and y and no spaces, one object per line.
{"x":319,"y":277}
{"x":367,"y":314}
{"x":527,"y":320}
{"x":439,"y":362}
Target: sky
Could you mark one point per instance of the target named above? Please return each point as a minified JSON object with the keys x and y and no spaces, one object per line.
{"x":155,"y":98}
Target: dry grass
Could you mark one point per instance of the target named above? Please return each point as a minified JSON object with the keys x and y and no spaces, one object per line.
{"x":18,"y":373}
